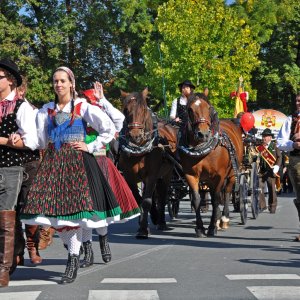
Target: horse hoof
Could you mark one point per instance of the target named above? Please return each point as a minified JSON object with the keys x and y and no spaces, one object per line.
{"x":162,"y":227}
{"x":212,"y":232}
{"x":224,"y":225}
{"x":204,"y":209}
{"x":143,"y":234}
{"x":200,"y":233}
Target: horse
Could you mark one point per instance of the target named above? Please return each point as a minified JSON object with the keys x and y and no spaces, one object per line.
{"x":211,"y":151}
{"x":146,"y":156}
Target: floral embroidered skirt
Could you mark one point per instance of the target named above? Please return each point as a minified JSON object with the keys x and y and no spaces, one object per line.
{"x":70,"y":189}
{"x":120,"y":188}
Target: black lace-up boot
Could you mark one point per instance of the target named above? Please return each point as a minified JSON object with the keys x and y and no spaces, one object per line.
{"x":88,"y":259}
{"x":71,"y":269}
{"x":105,"y":249}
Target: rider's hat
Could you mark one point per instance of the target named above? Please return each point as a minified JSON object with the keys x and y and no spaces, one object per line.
{"x":267,"y":132}
{"x":12,"y":68}
{"x":186,"y":82}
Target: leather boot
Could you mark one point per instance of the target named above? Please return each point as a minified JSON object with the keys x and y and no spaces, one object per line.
{"x":88,"y":259}
{"x":46,"y":237}
{"x":18,"y":259}
{"x":32,"y":243}
{"x":71,"y":269}
{"x":105,"y":249}
{"x":7,"y":236}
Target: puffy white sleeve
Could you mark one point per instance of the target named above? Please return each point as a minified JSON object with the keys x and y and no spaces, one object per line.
{"x":25,"y":119}
{"x":42,"y":125}
{"x":100,"y":121}
{"x":116,"y":116}
{"x":283,"y":139}
{"x":173,"y":109}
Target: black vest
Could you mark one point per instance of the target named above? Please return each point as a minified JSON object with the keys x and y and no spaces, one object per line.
{"x":10,"y":157}
{"x":181,"y":112}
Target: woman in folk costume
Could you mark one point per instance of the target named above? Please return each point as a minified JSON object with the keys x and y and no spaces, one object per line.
{"x":116,"y":181}
{"x":69,"y":191}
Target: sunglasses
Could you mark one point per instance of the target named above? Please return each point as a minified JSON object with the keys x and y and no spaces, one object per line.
{"x":2,"y":76}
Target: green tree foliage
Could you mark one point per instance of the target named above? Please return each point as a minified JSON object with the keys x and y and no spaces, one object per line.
{"x":204,"y":41}
{"x":277,"y":78}
{"x":98,"y":40}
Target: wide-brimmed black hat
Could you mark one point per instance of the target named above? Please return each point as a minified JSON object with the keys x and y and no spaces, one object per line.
{"x":12,"y":68}
{"x":186,"y":82}
{"x":267,"y":132}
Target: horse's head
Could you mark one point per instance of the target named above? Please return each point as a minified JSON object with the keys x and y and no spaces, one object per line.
{"x":199,"y":117}
{"x":137,"y":117}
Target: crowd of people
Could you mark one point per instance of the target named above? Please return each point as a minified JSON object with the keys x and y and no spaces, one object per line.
{"x":55,"y":174}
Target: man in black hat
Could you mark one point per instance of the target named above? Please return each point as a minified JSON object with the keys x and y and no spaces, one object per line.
{"x":270,"y":161}
{"x":16,"y":116}
{"x":178,"y":109}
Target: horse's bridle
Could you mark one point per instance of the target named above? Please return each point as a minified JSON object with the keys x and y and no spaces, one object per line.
{"x":136,"y":125}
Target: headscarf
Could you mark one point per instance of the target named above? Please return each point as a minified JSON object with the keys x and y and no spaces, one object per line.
{"x":72,"y":77}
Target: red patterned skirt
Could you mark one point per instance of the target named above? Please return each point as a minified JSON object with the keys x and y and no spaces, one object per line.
{"x":120,"y":188}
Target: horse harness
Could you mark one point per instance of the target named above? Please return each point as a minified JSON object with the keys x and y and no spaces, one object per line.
{"x":132,"y":149}
{"x":219,"y":137}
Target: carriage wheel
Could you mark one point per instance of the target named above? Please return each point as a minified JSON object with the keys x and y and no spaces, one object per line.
{"x":254,"y":186}
{"x":243,"y":195}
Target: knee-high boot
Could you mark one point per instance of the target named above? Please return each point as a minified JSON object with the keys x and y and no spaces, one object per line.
{"x":32,"y":243}
{"x":7,"y":236}
{"x":18,"y":259}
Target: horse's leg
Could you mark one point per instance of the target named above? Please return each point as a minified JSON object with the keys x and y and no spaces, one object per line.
{"x":143,"y":231}
{"x":162,"y":188}
{"x":194,"y":185}
{"x":216,"y":213}
{"x":225,"y":213}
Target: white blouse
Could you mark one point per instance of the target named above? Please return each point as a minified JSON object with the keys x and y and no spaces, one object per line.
{"x":283,"y":139}
{"x":116,"y":116}
{"x":92,"y":114}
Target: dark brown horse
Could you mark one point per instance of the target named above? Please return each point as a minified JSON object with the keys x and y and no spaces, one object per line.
{"x":211,"y":152}
{"x":146,"y":157}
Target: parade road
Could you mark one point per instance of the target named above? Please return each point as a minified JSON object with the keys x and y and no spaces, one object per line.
{"x":258,"y":260}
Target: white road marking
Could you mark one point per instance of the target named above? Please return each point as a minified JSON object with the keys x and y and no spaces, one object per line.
{"x":30,"y":282}
{"x":20,"y":295}
{"x":139,"y":280}
{"x":262,"y":276}
{"x":123,"y":295}
{"x":125,"y":259}
{"x":275,"y":292}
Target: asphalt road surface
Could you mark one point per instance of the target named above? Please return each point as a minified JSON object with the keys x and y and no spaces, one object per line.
{"x":258,"y":260}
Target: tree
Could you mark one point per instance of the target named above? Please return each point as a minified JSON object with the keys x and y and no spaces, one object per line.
{"x":277,"y":78}
{"x":204,"y":41}
{"x":98,"y":40}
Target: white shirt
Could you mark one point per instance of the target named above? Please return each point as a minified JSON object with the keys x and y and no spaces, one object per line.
{"x":92,"y":114}
{"x":283,"y":139}
{"x":25,"y":119}
{"x":116,"y":116}
{"x":182,"y":101}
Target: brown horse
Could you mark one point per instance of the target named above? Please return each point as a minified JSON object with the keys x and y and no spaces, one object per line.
{"x":146,"y":157}
{"x":211,"y":152}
